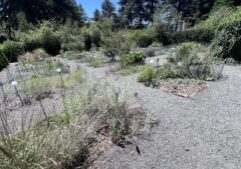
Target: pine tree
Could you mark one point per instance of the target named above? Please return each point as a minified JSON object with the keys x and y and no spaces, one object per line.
{"x":83,"y":17}
{"x":150,"y":8}
{"x":97,"y":15}
{"x":108,"y":9}
{"x":137,"y":12}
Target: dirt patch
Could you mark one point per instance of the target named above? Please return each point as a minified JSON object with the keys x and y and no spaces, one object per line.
{"x":183,"y":87}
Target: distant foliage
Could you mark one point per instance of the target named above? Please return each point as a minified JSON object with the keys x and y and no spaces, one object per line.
{"x":197,"y":35}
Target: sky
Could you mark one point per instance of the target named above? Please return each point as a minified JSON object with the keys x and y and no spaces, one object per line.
{"x":91,"y":5}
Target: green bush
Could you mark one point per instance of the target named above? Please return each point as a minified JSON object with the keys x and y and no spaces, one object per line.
{"x":227,"y":41}
{"x":151,"y":76}
{"x":148,"y":76}
{"x":182,"y":52}
{"x":12,"y":50}
{"x":196,"y":61}
{"x":32,"y":44}
{"x":144,"y":41}
{"x":214,"y":19}
{"x":132,"y":59}
{"x":160,"y":35}
{"x":3,"y":61}
{"x":51,"y":43}
{"x":115,"y":44}
{"x":141,"y":38}
{"x":197,"y":35}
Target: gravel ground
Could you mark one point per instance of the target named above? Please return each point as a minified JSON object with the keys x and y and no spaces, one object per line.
{"x":201,"y":132}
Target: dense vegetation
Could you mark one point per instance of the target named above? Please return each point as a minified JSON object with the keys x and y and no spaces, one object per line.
{"x":199,"y":36}
{"x":55,"y":25}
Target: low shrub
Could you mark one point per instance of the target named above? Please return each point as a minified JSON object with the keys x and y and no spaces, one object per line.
{"x":3,"y":61}
{"x":132,"y":69}
{"x":196,"y":61}
{"x":148,"y":76}
{"x":150,"y":52}
{"x":143,"y":41}
{"x":182,"y":52}
{"x":190,"y":60}
{"x":96,"y":62}
{"x":12,"y":50}
{"x":151,"y":76}
{"x":132,"y":59}
{"x":72,"y":55}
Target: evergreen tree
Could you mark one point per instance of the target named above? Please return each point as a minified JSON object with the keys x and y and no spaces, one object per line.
{"x":83,"y":17}
{"x":150,"y":8}
{"x":137,"y":12}
{"x":97,"y":15}
{"x":41,"y":10}
{"x":108,"y":9}
{"x":133,"y":12}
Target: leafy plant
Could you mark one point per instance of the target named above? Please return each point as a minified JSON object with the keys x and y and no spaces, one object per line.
{"x":148,"y":76}
{"x":12,"y":50}
{"x":132,"y":59}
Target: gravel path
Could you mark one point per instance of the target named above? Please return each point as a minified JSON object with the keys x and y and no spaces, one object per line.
{"x":202,"y":132}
